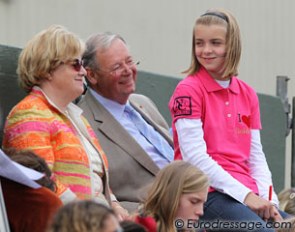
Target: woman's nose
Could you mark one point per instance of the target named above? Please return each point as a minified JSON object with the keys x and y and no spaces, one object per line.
{"x":83,"y":71}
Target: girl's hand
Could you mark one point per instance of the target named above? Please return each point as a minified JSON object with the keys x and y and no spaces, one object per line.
{"x":263,"y":208}
{"x":277,"y":217}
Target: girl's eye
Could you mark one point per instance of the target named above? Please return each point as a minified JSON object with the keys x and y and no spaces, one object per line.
{"x":198,"y":43}
{"x":216,"y":42}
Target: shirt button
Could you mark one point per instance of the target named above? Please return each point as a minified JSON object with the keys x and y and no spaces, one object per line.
{"x":226,"y":103}
{"x":228,"y":115}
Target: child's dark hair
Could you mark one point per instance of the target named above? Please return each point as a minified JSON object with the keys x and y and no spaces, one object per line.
{"x":29,"y":159}
{"x":131,"y":226}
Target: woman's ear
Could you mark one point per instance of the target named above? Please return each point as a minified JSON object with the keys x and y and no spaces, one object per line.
{"x":48,"y":76}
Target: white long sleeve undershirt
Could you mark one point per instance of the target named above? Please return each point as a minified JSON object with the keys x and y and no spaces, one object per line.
{"x":194,"y":150}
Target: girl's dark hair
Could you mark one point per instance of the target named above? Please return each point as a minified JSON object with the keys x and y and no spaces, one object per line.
{"x":81,"y":216}
{"x":29,"y":159}
{"x":131,"y":226}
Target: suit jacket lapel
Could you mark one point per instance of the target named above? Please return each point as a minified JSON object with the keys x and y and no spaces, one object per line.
{"x":118,"y":134}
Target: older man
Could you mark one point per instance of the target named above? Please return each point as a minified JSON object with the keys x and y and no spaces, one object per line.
{"x":130,"y":128}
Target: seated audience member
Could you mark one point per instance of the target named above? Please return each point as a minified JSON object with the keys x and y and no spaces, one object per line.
{"x":29,"y":206}
{"x":84,"y":216}
{"x":47,"y":122}
{"x":179,"y":191}
{"x":287,"y":200}
{"x":216,"y":127}
{"x":130,"y":128}
{"x":287,"y":225}
{"x":131,"y":226}
{"x":29,"y":159}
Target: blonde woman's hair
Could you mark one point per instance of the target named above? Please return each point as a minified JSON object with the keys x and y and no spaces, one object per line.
{"x":233,"y":41}
{"x":80,"y":216}
{"x":287,"y":200}
{"x":45,"y":52}
{"x":162,"y":200}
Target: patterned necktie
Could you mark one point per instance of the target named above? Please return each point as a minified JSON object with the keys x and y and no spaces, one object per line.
{"x":161,"y":145}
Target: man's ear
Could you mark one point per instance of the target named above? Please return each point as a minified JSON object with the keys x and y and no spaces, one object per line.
{"x":91,"y":76}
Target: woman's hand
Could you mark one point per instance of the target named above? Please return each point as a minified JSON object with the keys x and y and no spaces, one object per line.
{"x":263,"y":208}
{"x":121,"y":213}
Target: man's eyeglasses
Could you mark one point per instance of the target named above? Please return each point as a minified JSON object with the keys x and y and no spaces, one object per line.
{"x":76,"y":64}
{"x":119,"y":68}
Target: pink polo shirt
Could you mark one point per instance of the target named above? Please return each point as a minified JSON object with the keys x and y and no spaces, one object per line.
{"x":227,"y":115}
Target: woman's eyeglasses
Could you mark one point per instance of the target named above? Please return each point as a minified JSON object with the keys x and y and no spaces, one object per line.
{"x":76,"y":64}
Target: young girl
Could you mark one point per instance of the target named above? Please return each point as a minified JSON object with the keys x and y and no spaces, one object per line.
{"x":175,"y":199}
{"x":216,"y":123}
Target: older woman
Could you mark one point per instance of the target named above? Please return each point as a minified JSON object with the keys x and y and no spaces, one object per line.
{"x":50,"y":69}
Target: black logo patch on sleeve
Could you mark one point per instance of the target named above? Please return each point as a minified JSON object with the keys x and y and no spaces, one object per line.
{"x":182,"y":106}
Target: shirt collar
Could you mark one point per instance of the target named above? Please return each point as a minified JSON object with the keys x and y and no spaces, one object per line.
{"x":71,"y":107}
{"x":113,"y":107}
{"x":211,"y":85}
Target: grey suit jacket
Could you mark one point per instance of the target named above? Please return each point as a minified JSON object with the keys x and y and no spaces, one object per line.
{"x":130,"y":167}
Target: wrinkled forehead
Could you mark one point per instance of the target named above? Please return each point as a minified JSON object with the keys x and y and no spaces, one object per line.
{"x":116,"y":50}
{"x":107,"y":43}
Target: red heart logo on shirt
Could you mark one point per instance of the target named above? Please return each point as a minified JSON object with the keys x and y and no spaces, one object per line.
{"x":246,"y":120}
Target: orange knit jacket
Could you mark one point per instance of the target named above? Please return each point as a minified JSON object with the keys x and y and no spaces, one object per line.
{"x":37,"y":125}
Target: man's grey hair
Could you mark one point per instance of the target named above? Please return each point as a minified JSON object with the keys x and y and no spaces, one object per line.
{"x":98,"y":42}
